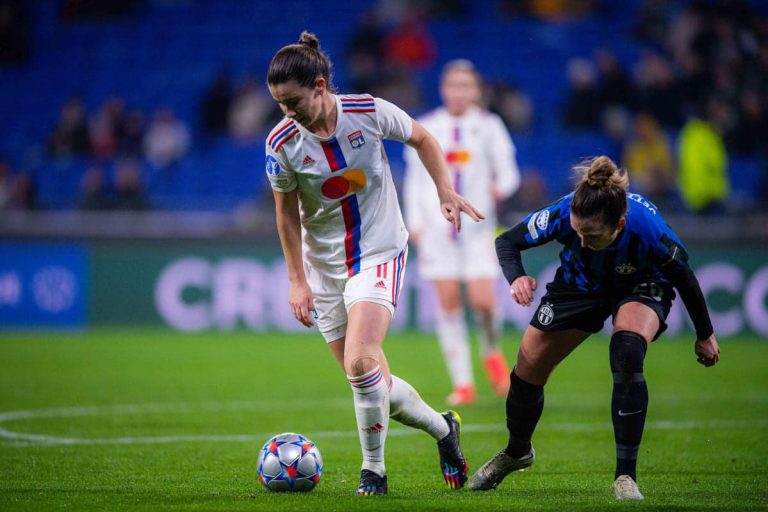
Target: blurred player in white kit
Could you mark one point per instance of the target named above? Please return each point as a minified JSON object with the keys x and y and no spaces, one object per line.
{"x":481,"y":158}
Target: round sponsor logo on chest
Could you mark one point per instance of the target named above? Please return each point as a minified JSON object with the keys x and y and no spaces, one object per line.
{"x":546,"y":314}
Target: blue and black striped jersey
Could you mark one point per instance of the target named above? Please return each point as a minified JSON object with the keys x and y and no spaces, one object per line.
{"x":646,"y":248}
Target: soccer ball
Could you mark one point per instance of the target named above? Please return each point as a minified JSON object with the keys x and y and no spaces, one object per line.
{"x":289,"y":462}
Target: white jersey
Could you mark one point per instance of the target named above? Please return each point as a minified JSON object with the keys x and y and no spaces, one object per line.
{"x":349,"y":211}
{"x":479,"y":153}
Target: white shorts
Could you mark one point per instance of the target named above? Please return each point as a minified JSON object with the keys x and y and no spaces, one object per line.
{"x":463,"y":259}
{"x":333,"y":297}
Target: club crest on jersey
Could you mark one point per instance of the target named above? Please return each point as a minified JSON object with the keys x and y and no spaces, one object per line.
{"x":356,"y":139}
{"x":273,"y":168}
{"x":626,"y":268}
{"x":546,"y":314}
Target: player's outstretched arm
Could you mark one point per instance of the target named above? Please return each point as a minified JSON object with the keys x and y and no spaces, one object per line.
{"x":706,"y":347}
{"x":289,"y":230}
{"x":430,"y":154}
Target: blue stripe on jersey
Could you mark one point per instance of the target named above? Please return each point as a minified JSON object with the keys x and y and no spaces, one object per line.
{"x":398,"y":269}
{"x":282,"y":134}
{"x":352,"y":222}
{"x":333,"y":154}
{"x":356,"y":104}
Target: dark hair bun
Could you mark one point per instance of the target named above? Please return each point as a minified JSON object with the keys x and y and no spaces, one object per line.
{"x":601,"y":191}
{"x":309,"y":39}
{"x":602,"y":173}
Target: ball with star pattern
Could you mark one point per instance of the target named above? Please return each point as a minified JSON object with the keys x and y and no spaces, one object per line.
{"x":289,"y":463}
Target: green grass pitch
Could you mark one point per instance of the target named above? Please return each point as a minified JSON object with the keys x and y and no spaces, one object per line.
{"x":152,"y":420}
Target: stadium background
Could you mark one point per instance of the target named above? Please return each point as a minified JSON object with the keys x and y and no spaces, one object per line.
{"x":144,"y":345}
{"x":101,"y":225}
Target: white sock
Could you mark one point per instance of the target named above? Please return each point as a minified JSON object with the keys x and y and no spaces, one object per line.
{"x":488,"y":332}
{"x":371,"y":397}
{"x":452,"y":334}
{"x":407,"y":407}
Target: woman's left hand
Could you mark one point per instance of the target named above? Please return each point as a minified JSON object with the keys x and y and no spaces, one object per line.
{"x":707,"y":351}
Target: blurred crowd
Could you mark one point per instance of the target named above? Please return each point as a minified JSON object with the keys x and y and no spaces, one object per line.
{"x":692,"y":97}
{"x":700,"y":83}
{"x":115,"y":137}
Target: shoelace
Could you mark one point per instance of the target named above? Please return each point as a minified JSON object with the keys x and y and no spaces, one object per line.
{"x":626,"y":486}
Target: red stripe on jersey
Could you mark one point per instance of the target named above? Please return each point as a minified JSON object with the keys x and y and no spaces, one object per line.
{"x":277,"y":132}
{"x":400,"y":275}
{"x":359,"y":100}
{"x":358,"y":110}
{"x":329,"y":156}
{"x":394,"y":279}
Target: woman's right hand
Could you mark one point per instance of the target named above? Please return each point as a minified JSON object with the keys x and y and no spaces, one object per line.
{"x":302,"y":303}
{"x":522,"y":289}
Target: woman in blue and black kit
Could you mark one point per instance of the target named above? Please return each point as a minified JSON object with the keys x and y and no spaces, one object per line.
{"x":619,"y":259}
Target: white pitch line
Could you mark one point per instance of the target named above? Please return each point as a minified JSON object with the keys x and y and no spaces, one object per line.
{"x":180,"y":407}
{"x":21,"y":439}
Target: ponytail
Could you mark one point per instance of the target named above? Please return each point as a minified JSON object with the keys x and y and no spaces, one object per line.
{"x":303,"y":62}
{"x":601,"y":191}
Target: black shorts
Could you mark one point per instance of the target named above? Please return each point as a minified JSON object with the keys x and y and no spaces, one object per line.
{"x":564,"y":307}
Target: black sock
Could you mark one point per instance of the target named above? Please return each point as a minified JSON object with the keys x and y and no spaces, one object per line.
{"x":629,"y":402}
{"x":525,"y":402}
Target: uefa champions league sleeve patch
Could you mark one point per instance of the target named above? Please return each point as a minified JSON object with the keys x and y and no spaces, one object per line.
{"x":542,"y":220}
{"x":538,"y":220}
{"x":272,"y":167}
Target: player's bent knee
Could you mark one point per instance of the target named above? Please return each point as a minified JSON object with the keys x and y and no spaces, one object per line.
{"x":532,"y":371}
{"x":361,"y":365}
{"x":627,"y":352}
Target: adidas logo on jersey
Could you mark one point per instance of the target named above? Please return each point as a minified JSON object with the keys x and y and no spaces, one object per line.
{"x":380,"y":284}
{"x":308,"y":160}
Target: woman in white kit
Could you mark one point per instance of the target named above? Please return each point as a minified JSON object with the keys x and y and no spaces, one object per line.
{"x":345,"y":242}
{"x":481,"y":158}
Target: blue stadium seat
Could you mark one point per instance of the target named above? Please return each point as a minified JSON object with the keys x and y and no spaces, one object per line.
{"x":169,"y":51}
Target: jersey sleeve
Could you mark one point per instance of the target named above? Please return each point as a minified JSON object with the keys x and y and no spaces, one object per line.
{"x":281,"y":177}
{"x":666,"y":248}
{"x":548,"y":223}
{"x":670,"y":255}
{"x":394,"y":123}
{"x":538,"y":228}
{"x":503,"y":157}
